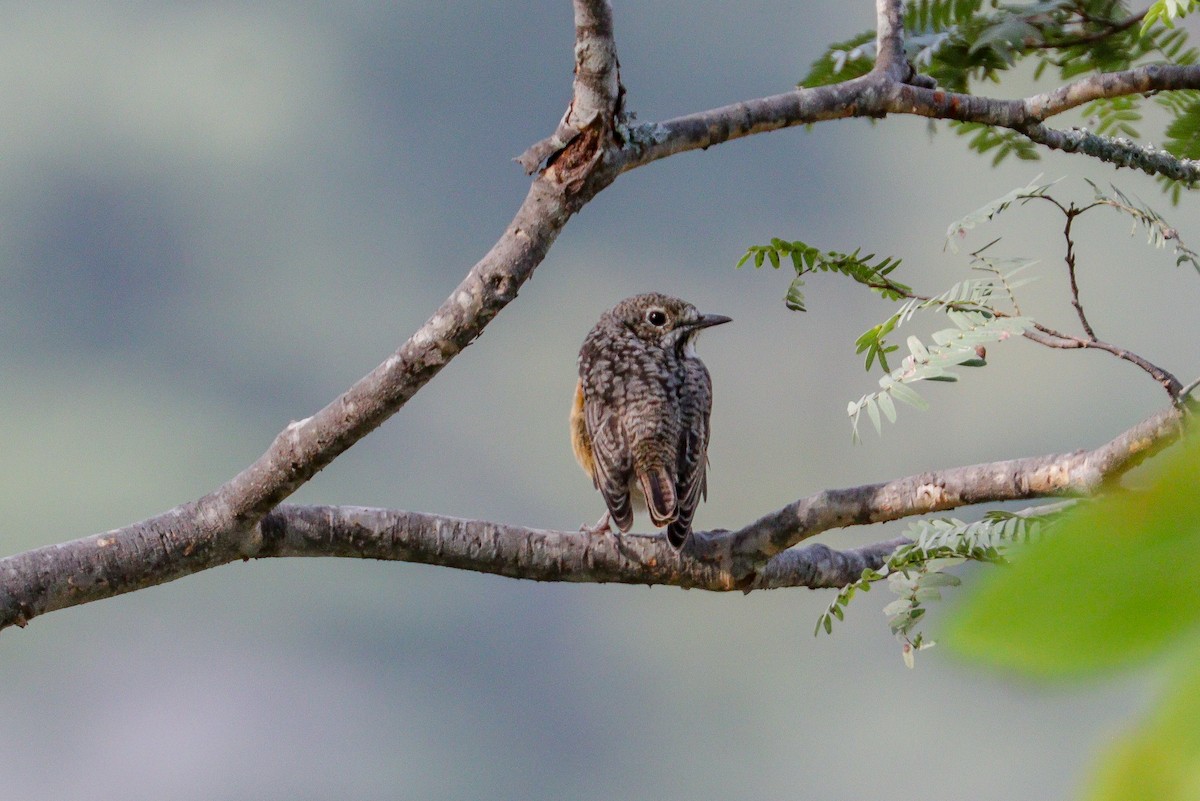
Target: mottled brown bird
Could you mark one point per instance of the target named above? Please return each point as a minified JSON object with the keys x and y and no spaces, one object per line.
{"x":639,"y":424}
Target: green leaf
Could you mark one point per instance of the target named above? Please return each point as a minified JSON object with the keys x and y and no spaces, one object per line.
{"x":843,"y":61}
{"x":897,"y":607}
{"x":888,"y":406}
{"x":1160,"y":759}
{"x":917,"y":349}
{"x":807,"y":259}
{"x":1166,"y":12}
{"x":1113,"y":586}
{"x":940,"y":580}
{"x":873,"y":413}
{"x":794,"y":299}
{"x":958,"y":229}
{"x":908,"y":395}
{"x":926,"y":594}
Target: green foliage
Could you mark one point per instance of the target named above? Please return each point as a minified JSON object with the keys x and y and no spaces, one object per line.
{"x":958,"y":229}
{"x":1160,"y":759}
{"x":1113,"y":587}
{"x":958,"y":42}
{"x":1158,"y":231}
{"x":973,"y":306}
{"x":959,"y":302}
{"x":1113,"y":116}
{"x":1166,"y":12}
{"x":986,"y":137}
{"x":960,"y":346}
{"x":1182,"y":133}
{"x":916,"y":570}
{"x":843,"y":61}
{"x":940,"y":15}
{"x":808,"y":259}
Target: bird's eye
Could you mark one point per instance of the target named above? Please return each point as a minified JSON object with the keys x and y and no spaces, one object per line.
{"x":656,"y":317}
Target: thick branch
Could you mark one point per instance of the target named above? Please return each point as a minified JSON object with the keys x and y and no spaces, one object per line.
{"x":889,"y":39}
{"x":1120,"y":152}
{"x":307,"y":446}
{"x":540,"y":555}
{"x":597,"y":94}
{"x":1078,"y":473}
{"x":150,"y":553}
{"x":1136,"y":81}
{"x":877,"y":94}
{"x":653,"y":141}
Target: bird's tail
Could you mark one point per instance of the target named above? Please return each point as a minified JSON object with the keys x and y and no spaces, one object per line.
{"x":677,"y":532}
{"x":659,"y":489}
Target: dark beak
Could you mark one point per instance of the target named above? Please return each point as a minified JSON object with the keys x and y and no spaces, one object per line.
{"x":709,"y":320}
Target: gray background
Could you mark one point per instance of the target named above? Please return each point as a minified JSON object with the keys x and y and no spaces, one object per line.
{"x":215,"y":216}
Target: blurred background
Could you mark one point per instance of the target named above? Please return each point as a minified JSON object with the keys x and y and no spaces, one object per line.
{"x":216,"y":216}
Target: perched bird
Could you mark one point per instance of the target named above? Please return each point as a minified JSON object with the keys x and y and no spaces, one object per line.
{"x":639,"y":424}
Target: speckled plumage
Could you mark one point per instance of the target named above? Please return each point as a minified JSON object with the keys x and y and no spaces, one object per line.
{"x":640,"y":422}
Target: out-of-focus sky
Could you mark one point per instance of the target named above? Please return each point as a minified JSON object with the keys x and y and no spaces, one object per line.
{"x":215,"y":216}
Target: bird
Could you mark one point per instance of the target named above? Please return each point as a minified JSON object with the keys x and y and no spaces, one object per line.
{"x":640,"y":418}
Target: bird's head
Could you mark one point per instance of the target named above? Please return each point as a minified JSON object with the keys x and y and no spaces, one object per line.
{"x":663,"y":320}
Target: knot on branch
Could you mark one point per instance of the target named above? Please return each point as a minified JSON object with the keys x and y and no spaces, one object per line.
{"x":571,"y":153}
{"x":539,"y":153}
{"x":914,"y":78}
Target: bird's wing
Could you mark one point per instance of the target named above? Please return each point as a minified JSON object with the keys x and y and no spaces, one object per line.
{"x":612,"y":462}
{"x":692,"y":460}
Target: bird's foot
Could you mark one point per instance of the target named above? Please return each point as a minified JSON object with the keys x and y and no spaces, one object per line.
{"x":602,"y":526}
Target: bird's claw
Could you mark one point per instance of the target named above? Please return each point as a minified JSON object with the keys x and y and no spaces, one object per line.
{"x":600,"y":528}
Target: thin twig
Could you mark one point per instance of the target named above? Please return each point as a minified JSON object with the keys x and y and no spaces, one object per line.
{"x":1056,"y":339}
{"x":1071,"y":214}
{"x":1109,"y":28}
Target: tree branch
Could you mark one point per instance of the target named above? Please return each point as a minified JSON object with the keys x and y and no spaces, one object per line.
{"x":597,"y":95}
{"x":1107,"y":29}
{"x":222,"y":524}
{"x":1069,"y":258}
{"x":1077,"y":473}
{"x":307,"y":446}
{"x":889,"y":40}
{"x":524,"y":553}
{"x":754,"y":557}
{"x":1056,"y":339}
{"x":877,"y":94}
{"x":1120,"y":152}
